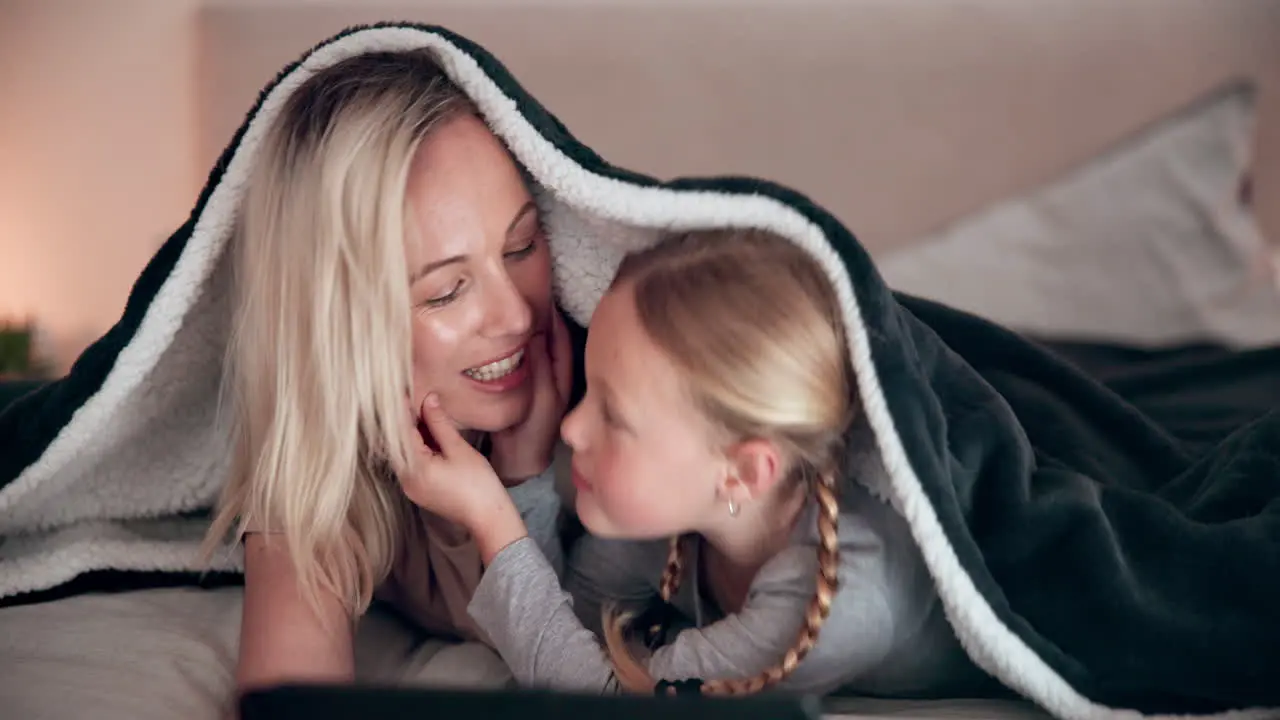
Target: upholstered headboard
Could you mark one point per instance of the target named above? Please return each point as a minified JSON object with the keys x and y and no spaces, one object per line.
{"x":898,"y":116}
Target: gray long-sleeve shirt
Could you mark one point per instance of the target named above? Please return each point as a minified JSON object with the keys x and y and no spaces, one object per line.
{"x":886,"y":633}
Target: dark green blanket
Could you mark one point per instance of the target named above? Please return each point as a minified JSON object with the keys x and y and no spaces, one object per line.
{"x":1094,"y":553}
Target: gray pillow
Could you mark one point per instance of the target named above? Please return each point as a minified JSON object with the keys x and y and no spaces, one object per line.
{"x":1150,"y":243}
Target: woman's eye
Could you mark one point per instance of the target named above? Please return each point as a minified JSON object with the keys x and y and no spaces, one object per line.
{"x":446,"y":298}
{"x":527,"y":250}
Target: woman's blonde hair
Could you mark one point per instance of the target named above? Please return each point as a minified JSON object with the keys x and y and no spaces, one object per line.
{"x":318,"y":363}
{"x":754,"y":325}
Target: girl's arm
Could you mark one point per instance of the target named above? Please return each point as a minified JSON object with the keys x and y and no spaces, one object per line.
{"x":282,"y":639}
{"x":532,"y":623}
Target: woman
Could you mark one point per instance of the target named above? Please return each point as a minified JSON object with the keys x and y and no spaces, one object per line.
{"x":388,"y":248}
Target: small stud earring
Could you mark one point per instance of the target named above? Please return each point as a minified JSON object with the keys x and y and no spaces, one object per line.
{"x":733,"y":508}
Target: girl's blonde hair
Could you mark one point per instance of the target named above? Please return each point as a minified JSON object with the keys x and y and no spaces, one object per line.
{"x":754,"y":325}
{"x":318,"y":363}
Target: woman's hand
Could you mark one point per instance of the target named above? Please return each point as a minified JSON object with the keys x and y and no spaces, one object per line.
{"x":525,"y":450}
{"x":457,"y":483}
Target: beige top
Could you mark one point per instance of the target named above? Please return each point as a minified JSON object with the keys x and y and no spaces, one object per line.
{"x":437,"y":565}
{"x":436,"y":569}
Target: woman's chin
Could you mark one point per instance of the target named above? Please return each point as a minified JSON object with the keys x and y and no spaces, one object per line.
{"x":488,"y":412}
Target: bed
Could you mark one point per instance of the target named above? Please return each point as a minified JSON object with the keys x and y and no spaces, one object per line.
{"x":1102,"y":178}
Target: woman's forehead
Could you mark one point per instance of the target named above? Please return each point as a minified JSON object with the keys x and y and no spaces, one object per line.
{"x":463,"y":192}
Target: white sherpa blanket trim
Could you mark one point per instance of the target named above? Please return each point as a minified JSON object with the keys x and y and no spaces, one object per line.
{"x":581,"y":200}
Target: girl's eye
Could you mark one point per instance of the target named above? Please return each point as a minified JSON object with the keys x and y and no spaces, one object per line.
{"x":445,"y":299}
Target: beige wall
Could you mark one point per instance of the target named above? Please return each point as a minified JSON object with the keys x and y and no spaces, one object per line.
{"x":896,"y":115}
{"x":899,"y":116}
{"x":97,"y":155}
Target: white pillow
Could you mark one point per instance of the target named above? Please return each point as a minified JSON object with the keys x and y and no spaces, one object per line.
{"x":1147,"y":244}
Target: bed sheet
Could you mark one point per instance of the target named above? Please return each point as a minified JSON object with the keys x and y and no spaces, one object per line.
{"x":170,"y":653}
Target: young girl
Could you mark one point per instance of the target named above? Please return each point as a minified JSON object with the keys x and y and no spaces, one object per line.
{"x":718,"y":416}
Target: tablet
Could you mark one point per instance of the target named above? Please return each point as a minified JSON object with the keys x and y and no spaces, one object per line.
{"x":330,"y":702}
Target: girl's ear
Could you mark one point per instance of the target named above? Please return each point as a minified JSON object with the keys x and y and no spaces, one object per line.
{"x":755,"y":466}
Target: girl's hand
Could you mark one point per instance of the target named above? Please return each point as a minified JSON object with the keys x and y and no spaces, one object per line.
{"x":456,"y":481}
{"x":525,"y":450}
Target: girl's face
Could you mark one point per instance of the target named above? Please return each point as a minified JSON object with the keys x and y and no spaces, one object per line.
{"x":480,"y":276}
{"x":645,"y":463}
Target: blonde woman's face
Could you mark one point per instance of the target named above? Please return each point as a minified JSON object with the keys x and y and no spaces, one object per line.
{"x":644,"y":459}
{"x":480,"y":276}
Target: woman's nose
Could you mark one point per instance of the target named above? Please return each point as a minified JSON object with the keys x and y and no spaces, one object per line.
{"x":507,"y":311}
